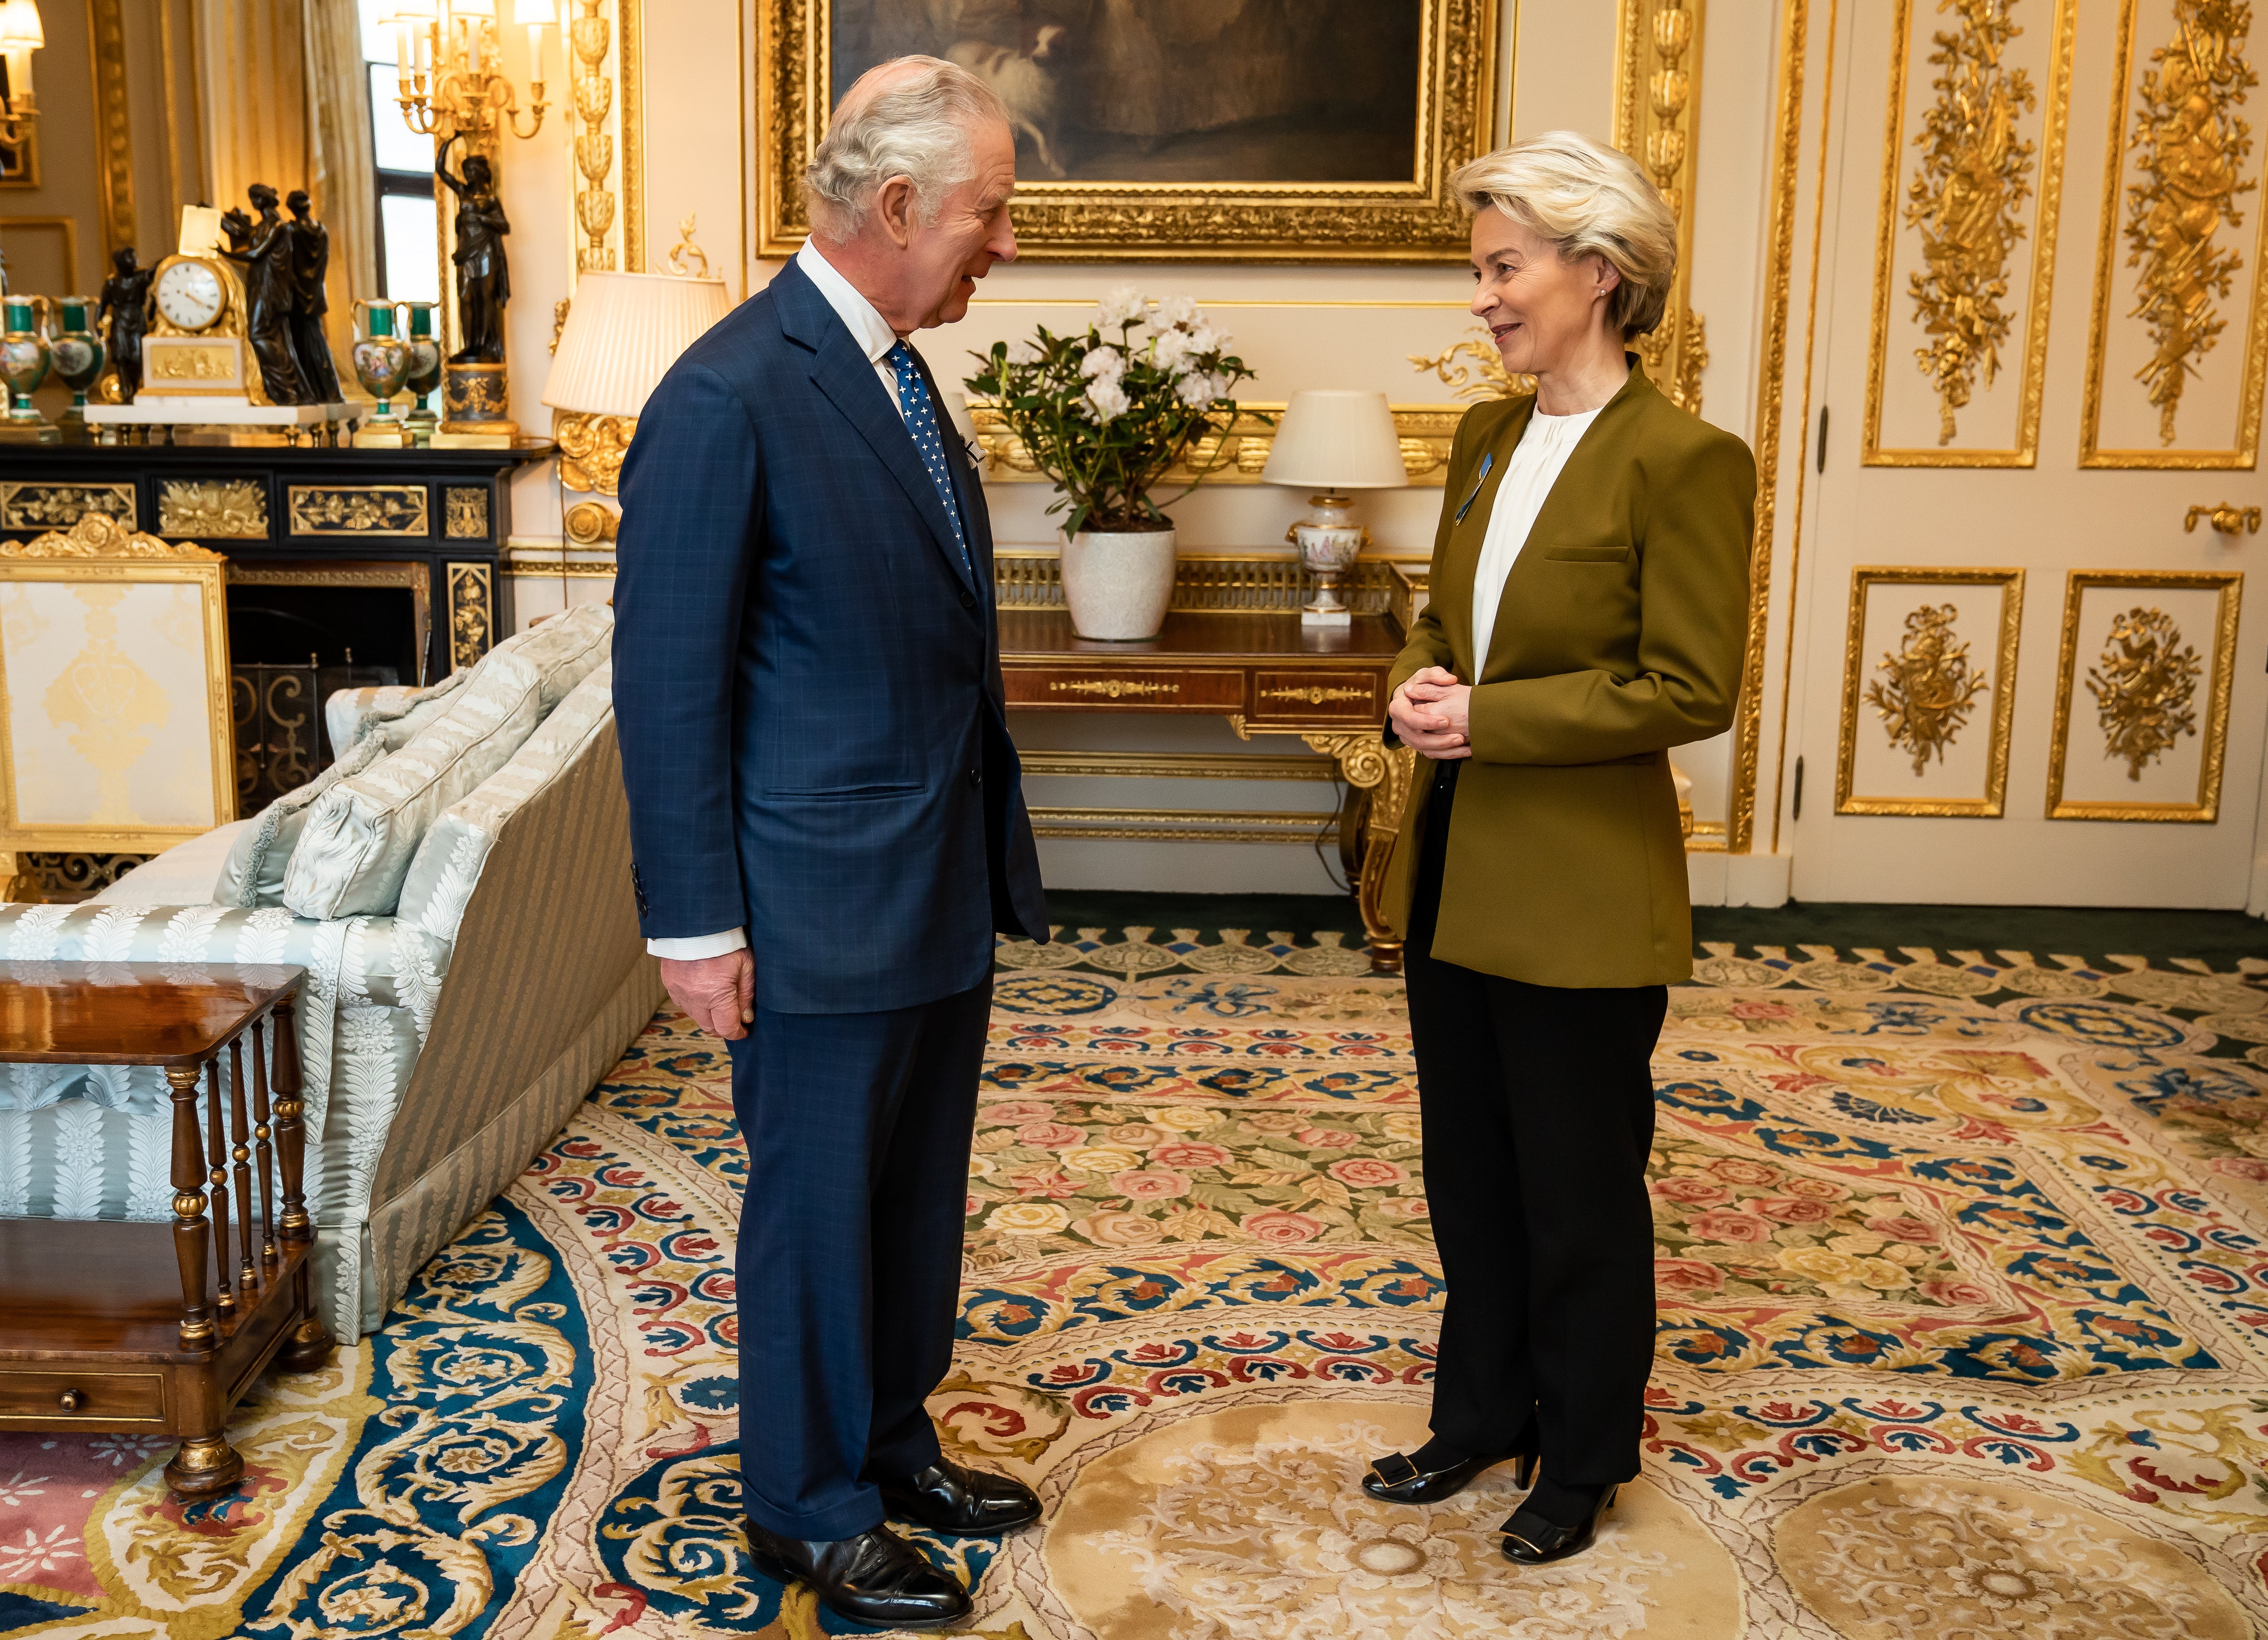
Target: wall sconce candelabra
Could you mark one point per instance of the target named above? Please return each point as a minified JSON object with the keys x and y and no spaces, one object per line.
{"x":20,"y":35}
{"x":450,"y":77}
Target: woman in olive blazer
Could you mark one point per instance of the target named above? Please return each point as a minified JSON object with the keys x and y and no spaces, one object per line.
{"x":1589,"y":606}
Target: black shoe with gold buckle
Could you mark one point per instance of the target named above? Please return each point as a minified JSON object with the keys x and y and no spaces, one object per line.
{"x":1395,"y":1479}
{"x":1530,"y":1540}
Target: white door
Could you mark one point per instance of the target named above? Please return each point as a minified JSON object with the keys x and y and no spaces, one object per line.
{"x":2036,"y":672}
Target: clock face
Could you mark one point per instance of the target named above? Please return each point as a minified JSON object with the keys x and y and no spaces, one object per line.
{"x":190,"y":295}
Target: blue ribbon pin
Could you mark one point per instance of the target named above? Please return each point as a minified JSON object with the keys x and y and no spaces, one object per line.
{"x":1488,"y":461}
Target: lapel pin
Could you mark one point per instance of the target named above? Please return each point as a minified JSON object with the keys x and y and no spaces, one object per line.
{"x":1488,"y":461}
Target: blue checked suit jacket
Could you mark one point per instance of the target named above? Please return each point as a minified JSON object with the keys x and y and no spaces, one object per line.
{"x":807,"y":679}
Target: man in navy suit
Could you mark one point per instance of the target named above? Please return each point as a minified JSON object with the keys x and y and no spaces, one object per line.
{"x":828,"y":823}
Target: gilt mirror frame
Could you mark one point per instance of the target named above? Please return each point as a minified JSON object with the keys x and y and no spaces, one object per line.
{"x":1402,"y":221}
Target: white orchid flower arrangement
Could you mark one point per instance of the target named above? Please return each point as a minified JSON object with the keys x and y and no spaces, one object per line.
{"x":1107,"y":412}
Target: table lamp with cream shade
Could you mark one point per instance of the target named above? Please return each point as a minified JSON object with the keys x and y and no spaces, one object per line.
{"x":1331,"y":441}
{"x":623,"y":331}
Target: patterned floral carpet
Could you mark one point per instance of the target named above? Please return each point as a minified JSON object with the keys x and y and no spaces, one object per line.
{"x":1963,"y":1293}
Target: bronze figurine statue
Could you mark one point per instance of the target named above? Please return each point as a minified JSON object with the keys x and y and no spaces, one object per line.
{"x":309,"y":260}
{"x":264,"y":251}
{"x":483,"y":275}
{"x":125,"y":300}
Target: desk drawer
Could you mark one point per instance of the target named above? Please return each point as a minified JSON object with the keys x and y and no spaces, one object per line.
{"x":1138,"y":689}
{"x":1314,"y":695}
{"x":33,"y":1397}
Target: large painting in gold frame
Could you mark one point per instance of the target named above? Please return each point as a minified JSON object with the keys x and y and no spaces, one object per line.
{"x":1251,"y":199}
{"x":116,"y":734}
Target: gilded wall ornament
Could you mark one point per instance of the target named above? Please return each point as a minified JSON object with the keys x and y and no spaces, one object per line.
{"x":230,"y":508}
{"x":1657,"y":73}
{"x":1966,"y":199}
{"x":472,"y":613}
{"x":2145,"y":688}
{"x":591,"y":448}
{"x":1928,"y":687}
{"x":2191,"y":146}
{"x":1474,"y":369}
{"x":590,"y":35}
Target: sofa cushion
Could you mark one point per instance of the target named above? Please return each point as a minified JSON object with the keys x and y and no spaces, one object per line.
{"x":447,"y":865}
{"x":360,"y":834}
{"x":183,"y":875}
{"x":252,"y":875}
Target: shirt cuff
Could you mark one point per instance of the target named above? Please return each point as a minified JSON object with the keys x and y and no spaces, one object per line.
{"x":695,"y":946}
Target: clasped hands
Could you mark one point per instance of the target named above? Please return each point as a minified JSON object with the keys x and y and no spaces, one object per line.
{"x":1432,"y":712}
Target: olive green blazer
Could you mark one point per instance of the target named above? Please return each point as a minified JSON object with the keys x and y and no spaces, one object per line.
{"x":1619,"y":635}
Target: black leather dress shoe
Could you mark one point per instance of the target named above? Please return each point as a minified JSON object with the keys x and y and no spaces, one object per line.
{"x":1395,"y":1479}
{"x":877,"y":1579}
{"x":1529,"y":1539}
{"x":962,"y":1503}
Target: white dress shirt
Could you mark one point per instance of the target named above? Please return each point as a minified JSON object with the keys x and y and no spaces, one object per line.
{"x":873,"y":333}
{"x":1528,"y":476}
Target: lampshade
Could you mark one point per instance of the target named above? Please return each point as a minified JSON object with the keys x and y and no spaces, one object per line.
{"x":1333,"y":438}
{"x":406,"y":10}
{"x":19,"y":26}
{"x":623,"y":331}
{"x":529,"y":12}
{"x":472,"y":8}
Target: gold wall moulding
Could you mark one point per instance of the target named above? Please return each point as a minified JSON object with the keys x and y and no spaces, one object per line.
{"x":1965,"y":202}
{"x":464,"y":513}
{"x":1426,"y":432}
{"x":219,"y":508}
{"x":1127,"y":217}
{"x":2143,"y":687}
{"x":591,"y":448}
{"x":1772,"y":380}
{"x":1185,"y":825}
{"x":113,"y":144}
{"x":35,"y":505}
{"x":1179,"y":765}
{"x":2189,"y":145}
{"x":1657,"y":120}
{"x":1921,"y":694}
{"x":1474,"y":369}
{"x":358,"y":510}
{"x":1031,"y":577}
{"x":589,"y":37}
{"x":472,"y":613}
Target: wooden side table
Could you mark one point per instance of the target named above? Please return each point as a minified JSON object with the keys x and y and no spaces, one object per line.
{"x":106,"y":1325}
{"x":1266,"y":675}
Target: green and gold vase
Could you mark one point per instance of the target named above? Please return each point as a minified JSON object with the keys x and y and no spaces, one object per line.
{"x":25,"y":359}
{"x":381,"y":363}
{"x":78,"y":355}
{"x":424,"y":372}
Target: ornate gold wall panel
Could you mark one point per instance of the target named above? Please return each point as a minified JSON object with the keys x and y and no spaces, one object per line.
{"x":2147,"y":690}
{"x":2183,"y":171}
{"x":1923,"y":698}
{"x":605,"y":51}
{"x":1658,"y":123}
{"x":113,"y":145}
{"x":1987,"y":137}
{"x":1425,"y":431}
{"x":1787,"y":155}
{"x":357,"y":510}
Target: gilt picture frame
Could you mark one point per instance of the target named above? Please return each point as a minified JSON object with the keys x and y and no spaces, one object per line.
{"x":1128,"y":150}
{"x":115,"y":729}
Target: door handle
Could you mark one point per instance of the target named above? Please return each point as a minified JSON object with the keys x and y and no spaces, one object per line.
{"x":2229,"y":520}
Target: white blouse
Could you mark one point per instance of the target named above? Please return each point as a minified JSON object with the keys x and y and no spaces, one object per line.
{"x":1528,"y":476}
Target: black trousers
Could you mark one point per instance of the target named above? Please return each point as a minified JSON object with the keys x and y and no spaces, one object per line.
{"x":858,"y":1127}
{"x":1537,"y":1103}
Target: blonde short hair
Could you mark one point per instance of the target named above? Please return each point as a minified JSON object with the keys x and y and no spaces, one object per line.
{"x":1588,"y":200}
{"x":909,"y":117}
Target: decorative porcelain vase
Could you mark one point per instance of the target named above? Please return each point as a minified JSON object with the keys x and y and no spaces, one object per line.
{"x":24,"y":358}
{"x":1118,"y":582}
{"x":381,"y":359}
{"x":424,"y":370}
{"x":78,"y":357}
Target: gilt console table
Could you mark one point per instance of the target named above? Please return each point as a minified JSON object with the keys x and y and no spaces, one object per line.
{"x":1266,"y":675}
{"x":159,"y":1328}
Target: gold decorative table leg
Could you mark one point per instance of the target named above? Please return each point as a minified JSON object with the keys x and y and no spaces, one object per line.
{"x":1382,"y":774}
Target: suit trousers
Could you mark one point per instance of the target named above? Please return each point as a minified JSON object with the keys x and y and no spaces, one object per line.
{"x":858,"y":1128}
{"x":1538,"y":1106}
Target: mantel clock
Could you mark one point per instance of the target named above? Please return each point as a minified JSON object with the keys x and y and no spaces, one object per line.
{"x":195,"y":346}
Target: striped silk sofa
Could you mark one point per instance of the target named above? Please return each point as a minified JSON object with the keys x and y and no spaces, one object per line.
{"x":457,"y":886}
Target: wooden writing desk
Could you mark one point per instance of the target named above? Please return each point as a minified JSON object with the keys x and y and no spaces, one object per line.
{"x":1266,"y":675}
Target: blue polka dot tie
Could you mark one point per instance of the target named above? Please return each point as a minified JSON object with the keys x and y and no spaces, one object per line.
{"x":921,"y":421}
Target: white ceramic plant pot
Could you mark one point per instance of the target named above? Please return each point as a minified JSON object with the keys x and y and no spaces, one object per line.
{"x":1118,"y":582}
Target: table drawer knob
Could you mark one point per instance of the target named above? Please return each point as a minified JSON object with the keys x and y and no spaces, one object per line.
{"x":70,"y":1400}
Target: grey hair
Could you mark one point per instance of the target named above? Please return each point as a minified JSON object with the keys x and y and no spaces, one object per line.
{"x":1588,"y":200}
{"x":909,"y":117}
